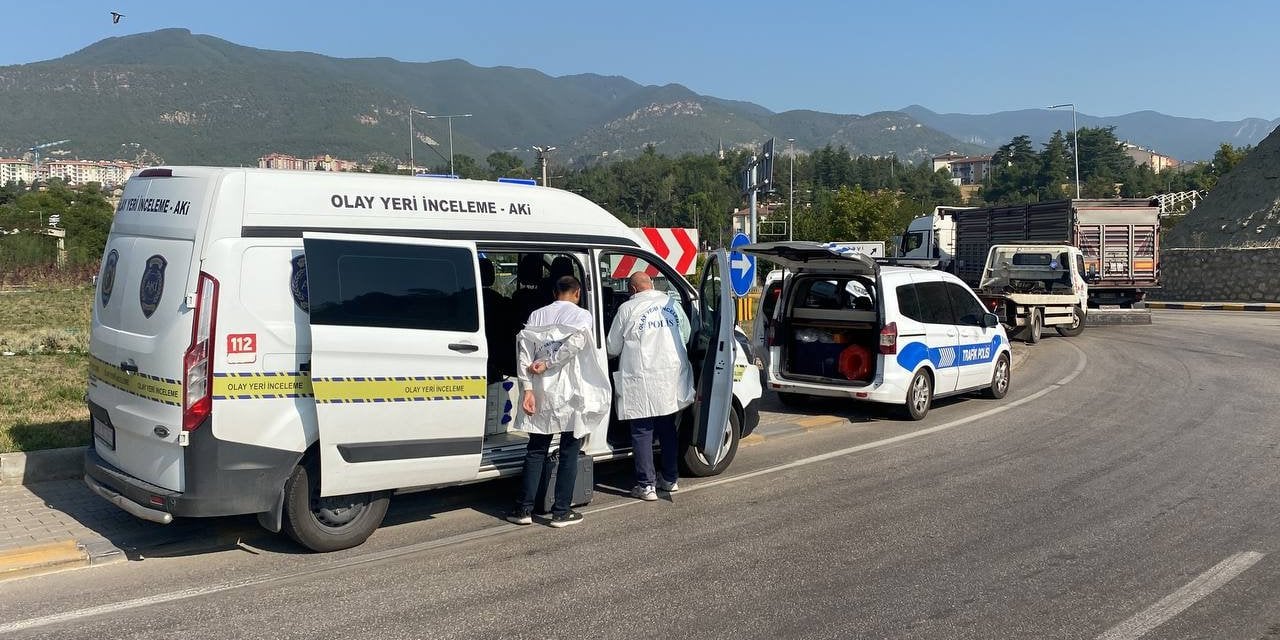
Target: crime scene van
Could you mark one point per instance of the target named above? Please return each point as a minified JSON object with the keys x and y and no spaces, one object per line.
{"x":300,"y":345}
{"x":839,"y":324}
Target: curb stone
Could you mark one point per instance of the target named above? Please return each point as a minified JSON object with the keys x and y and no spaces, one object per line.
{"x":39,"y":466}
{"x":42,"y":558}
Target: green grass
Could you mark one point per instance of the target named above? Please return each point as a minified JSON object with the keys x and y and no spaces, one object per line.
{"x":42,"y":402}
{"x":45,"y":320}
{"x":42,"y":389}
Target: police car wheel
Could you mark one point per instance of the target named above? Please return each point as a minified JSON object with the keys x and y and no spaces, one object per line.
{"x":1000,"y":377}
{"x":1075,"y":328}
{"x":329,"y":523}
{"x":695,"y":465}
{"x":919,"y":395}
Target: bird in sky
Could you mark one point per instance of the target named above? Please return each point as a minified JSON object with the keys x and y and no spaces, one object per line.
{"x":115,"y":17}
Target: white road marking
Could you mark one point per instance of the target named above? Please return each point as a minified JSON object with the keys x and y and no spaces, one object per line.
{"x":184,"y":594}
{"x":1174,"y":603}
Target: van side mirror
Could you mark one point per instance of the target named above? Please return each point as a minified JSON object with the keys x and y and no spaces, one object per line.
{"x":990,"y":320}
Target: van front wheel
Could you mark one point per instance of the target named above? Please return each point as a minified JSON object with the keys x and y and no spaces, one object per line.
{"x":695,"y":464}
{"x":329,"y":523}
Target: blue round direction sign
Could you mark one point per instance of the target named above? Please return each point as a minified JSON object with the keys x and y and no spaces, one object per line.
{"x":742,"y":267}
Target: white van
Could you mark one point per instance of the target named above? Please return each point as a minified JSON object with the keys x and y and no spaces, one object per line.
{"x":300,"y":345}
{"x":836,"y":323}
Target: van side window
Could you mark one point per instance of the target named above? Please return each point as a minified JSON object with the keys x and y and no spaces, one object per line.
{"x":909,"y":302}
{"x":935,"y":303}
{"x":967,"y":308}
{"x":392,"y":285}
{"x":617,"y":267}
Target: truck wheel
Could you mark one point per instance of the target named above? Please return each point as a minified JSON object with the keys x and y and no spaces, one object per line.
{"x":1032,"y":333}
{"x":332,"y":523}
{"x":1076,"y":327}
{"x":695,"y":465}
{"x":919,"y":396}
{"x":999,"y":379}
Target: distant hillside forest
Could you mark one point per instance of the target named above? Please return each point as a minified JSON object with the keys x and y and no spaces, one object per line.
{"x":836,"y":195}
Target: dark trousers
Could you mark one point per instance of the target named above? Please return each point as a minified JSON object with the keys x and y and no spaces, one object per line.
{"x":643,"y":431}
{"x":535,"y":460}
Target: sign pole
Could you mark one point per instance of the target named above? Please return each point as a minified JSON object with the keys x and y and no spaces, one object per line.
{"x":753,"y":215}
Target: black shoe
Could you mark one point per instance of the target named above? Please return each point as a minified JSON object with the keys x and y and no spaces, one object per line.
{"x":521,"y":516}
{"x":573,"y":517}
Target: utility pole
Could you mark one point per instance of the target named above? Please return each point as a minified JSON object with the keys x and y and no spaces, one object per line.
{"x":450,"y":119}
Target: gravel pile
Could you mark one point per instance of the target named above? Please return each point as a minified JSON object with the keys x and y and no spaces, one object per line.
{"x":1243,"y":210}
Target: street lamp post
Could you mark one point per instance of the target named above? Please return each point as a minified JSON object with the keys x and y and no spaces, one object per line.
{"x":450,"y":118}
{"x":542,"y":160}
{"x":1075,"y":135}
{"x":791,"y":191}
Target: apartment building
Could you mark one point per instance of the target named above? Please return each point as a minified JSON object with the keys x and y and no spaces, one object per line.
{"x":318,"y":163}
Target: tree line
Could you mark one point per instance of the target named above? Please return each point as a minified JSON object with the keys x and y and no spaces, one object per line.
{"x":836,"y":195}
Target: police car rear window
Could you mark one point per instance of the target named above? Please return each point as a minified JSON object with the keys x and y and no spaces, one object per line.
{"x":392,"y":285}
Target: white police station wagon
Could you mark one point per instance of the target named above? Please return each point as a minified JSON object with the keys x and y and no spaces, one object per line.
{"x":844,"y":326}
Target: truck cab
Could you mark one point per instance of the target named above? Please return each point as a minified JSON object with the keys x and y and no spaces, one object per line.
{"x":931,"y":237}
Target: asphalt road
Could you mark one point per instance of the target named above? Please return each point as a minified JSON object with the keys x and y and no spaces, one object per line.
{"x":1126,"y":488}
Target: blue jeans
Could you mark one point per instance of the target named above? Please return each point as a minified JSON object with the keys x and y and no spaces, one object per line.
{"x":643,"y":431}
{"x":535,"y":460}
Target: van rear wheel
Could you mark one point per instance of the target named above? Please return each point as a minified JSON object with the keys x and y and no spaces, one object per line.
{"x":329,"y":523}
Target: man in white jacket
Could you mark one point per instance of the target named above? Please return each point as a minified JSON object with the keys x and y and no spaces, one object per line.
{"x":564,"y":391}
{"x":654,"y":381}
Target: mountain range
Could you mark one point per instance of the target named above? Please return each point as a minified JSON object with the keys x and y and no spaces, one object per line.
{"x":1182,"y":138}
{"x":198,"y":99}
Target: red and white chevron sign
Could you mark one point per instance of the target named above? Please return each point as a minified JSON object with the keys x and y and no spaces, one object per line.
{"x":676,"y":245}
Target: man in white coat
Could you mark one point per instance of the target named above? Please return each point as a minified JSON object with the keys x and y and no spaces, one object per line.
{"x":565,"y":391}
{"x":654,"y":381}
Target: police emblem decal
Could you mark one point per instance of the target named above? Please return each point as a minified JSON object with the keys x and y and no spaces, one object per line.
{"x":109,"y":276}
{"x":298,"y":282}
{"x":152,"y":284}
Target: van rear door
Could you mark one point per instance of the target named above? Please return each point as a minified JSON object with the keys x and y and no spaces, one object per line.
{"x":141,"y":326}
{"x":398,"y":359}
{"x":715,"y":384}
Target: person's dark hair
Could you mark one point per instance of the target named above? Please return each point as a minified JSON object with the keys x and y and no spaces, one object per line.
{"x":566,"y":285}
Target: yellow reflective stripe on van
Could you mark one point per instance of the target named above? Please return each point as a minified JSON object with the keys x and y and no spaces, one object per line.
{"x":146,"y":386}
{"x":260,"y":385}
{"x":399,"y":389}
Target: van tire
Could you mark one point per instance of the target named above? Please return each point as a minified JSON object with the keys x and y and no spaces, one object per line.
{"x":695,"y":466}
{"x":1075,"y":328}
{"x":329,"y":524}
{"x":919,"y":396}
{"x":1001,"y":376}
{"x":1034,"y":327}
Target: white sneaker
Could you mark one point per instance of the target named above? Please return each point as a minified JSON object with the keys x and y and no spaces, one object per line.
{"x":644,"y":492}
{"x":669,"y":487}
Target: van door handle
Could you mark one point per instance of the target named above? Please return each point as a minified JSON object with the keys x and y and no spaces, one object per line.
{"x":462,"y":347}
{"x":128,"y":368}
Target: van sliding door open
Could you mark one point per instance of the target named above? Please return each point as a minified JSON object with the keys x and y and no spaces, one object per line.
{"x":398,"y":358}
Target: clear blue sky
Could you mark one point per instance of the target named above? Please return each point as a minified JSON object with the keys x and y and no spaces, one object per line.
{"x":1214,"y":60}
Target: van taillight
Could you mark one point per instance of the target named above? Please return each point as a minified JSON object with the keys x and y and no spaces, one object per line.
{"x":197,"y":362}
{"x":889,"y":339}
